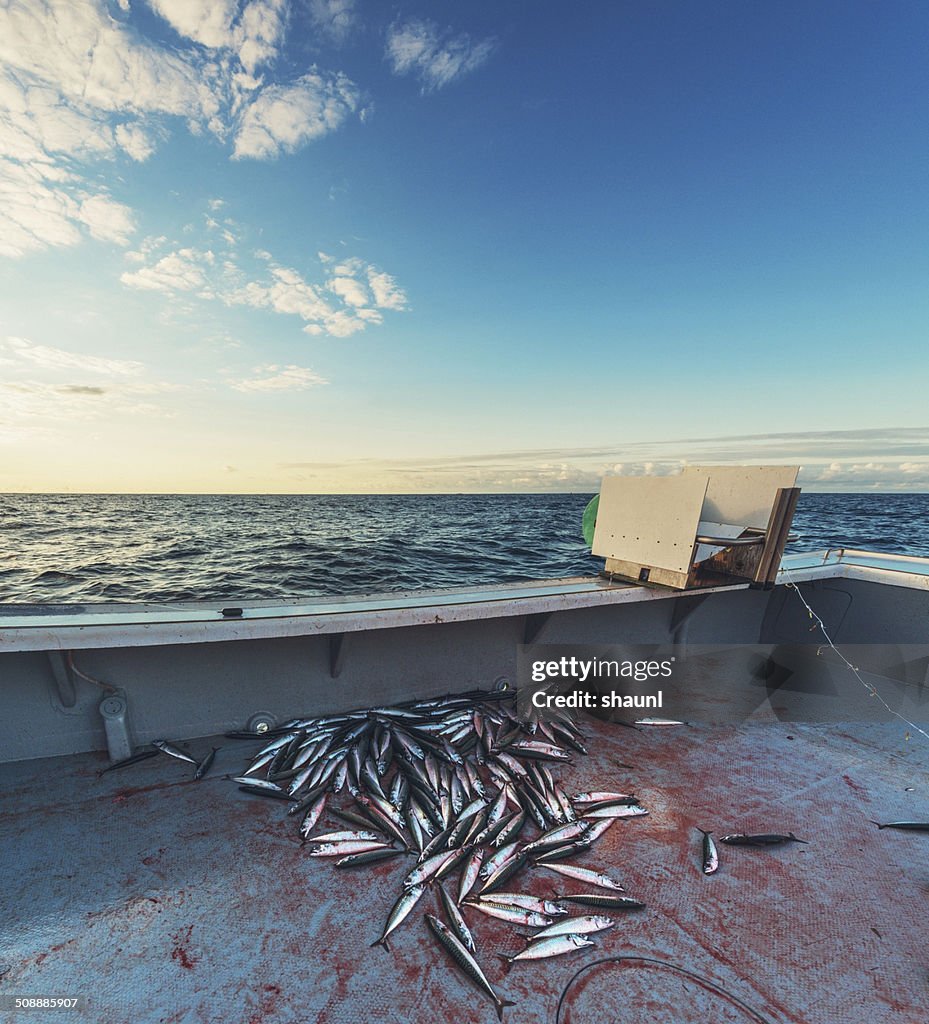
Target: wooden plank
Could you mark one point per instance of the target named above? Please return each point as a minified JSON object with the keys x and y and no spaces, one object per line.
{"x":649,"y":521}
{"x":647,"y":575}
{"x":779,"y":522}
{"x":742,"y":495}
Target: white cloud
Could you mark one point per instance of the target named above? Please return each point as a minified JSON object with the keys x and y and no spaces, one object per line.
{"x":135,"y":141}
{"x":78,"y":85}
{"x":887,"y":459}
{"x":43,"y":385}
{"x":279,"y":378}
{"x":204,"y":21}
{"x":254,"y":35}
{"x":181,"y":271}
{"x":349,"y":297}
{"x":335,"y":19}
{"x":106,"y":220}
{"x":21,"y":350}
{"x":438,"y":58}
{"x":387,"y":294}
{"x":348,"y":289}
{"x":284,"y":118}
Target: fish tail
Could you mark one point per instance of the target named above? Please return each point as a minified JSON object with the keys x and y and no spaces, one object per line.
{"x":501,"y":1003}
{"x":508,"y":963}
{"x":879,"y":825}
{"x":806,"y":842}
{"x":380,"y":942}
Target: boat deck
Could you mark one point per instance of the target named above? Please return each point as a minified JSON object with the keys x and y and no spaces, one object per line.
{"x":161,"y":899}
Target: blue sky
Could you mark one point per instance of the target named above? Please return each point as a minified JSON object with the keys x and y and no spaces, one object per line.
{"x":330,"y":245}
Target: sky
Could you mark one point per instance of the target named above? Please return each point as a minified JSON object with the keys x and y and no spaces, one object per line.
{"x":349,"y":246}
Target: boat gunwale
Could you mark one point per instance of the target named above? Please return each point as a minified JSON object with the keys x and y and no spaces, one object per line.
{"x":142,"y":625}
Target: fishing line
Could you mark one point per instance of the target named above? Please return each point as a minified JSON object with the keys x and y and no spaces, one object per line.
{"x":870,"y":687}
{"x":669,"y":965}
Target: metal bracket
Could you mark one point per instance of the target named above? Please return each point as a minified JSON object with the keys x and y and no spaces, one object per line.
{"x":534,"y":625}
{"x":65,"y":688}
{"x":682,"y":609}
{"x":336,"y":654}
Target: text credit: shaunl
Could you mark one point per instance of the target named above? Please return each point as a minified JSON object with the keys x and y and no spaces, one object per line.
{"x":597,"y":683}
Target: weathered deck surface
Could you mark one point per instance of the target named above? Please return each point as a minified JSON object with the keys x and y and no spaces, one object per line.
{"x":166,"y":900}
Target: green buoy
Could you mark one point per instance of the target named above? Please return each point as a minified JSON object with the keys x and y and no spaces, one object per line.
{"x":590,"y":519}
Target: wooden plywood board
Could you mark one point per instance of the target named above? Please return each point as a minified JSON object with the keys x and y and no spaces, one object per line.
{"x":742,"y":495}
{"x":649,"y":521}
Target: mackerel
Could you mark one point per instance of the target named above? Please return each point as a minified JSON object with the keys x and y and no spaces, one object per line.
{"x":596,"y":899}
{"x":312,"y":816}
{"x":173,"y":751}
{"x":763,"y":839}
{"x":465,"y":961}
{"x":524,"y":902}
{"x":555,"y":946}
{"x":514,"y":915}
{"x":575,"y":926}
{"x":469,"y":874}
{"x":399,"y":912}
{"x":142,"y":755}
{"x":710,"y":853}
{"x":585,"y":875}
{"x":456,"y":922}
{"x":369,"y":857}
{"x":344,"y":848}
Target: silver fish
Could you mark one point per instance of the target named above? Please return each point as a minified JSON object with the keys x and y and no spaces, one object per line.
{"x":555,"y":946}
{"x":470,"y":872}
{"x":558,"y":836}
{"x":456,"y":921}
{"x":312,"y":816}
{"x":344,"y":849}
{"x":400,"y":911}
{"x":347,"y":837}
{"x":428,"y":868}
{"x":617,"y":811}
{"x":764,"y":839}
{"x":596,"y":798}
{"x":575,"y":926}
{"x":173,"y":751}
{"x":247,"y":780}
{"x":204,"y":766}
{"x":465,"y":961}
{"x":710,"y":853}
{"x":492,"y":864}
{"x":514,"y":915}
{"x":596,"y":899}
{"x":585,"y":875}
{"x":518,"y":899}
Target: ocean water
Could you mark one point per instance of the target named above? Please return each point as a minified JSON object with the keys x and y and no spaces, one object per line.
{"x":64,"y":548}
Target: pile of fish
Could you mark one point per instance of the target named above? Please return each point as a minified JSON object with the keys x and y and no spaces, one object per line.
{"x":464,"y":785}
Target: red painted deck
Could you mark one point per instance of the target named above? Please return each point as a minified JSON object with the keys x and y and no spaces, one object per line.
{"x":165,"y":900}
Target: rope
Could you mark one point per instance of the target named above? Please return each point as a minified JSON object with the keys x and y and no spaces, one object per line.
{"x":870,"y":687}
{"x":668,"y":965}
{"x":89,"y":679}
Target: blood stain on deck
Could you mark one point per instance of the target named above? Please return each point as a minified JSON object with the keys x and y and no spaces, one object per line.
{"x":181,"y":952}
